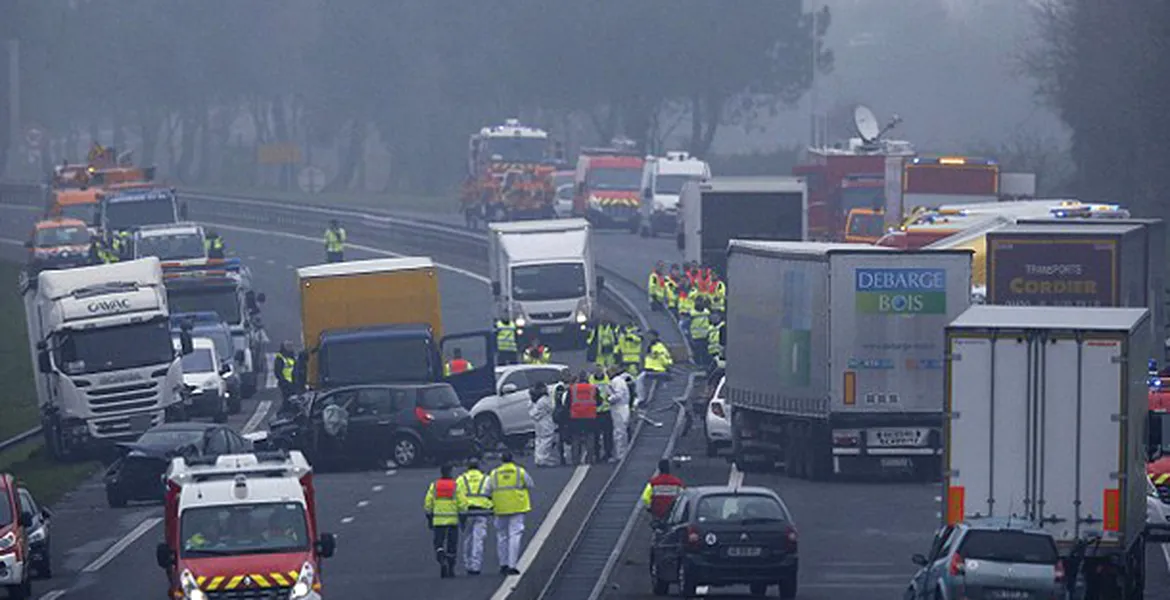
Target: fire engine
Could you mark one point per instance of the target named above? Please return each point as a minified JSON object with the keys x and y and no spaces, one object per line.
{"x":242,"y":526}
{"x":509,"y":174}
{"x":609,"y":185}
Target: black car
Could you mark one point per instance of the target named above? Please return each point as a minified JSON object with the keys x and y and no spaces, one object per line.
{"x":137,"y":474}
{"x":721,"y":536}
{"x":38,"y":533}
{"x":367,"y":423}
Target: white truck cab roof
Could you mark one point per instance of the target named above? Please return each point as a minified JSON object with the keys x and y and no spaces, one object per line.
{"x":252,"y":478}
{"x":147,"y":231}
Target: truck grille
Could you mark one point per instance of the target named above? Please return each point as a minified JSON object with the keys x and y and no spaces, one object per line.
{"x":618,"y":211}
{"x":272,"y":593}
{"x":135,"y":396}
{"x":550,"y":316}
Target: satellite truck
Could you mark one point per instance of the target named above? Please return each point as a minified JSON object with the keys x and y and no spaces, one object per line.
{"x":101,"y":342}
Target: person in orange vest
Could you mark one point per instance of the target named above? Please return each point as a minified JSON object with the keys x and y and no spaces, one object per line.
{"x":457,"y":364}
{"x":583,"y":401}
{"x":661,"y":491}
{"x":446,"y":509}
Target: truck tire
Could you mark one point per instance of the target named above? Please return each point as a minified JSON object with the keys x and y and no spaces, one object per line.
{"x":793,"y":459}
{"x":818,"y":451}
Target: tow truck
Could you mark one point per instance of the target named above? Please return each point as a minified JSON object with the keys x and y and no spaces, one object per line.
{"x":242,"y":526}
{"x":224,"y":286}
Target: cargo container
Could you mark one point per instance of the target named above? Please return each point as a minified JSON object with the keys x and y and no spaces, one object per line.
{"x":1046,"y":409}
{"x":835,"y":354}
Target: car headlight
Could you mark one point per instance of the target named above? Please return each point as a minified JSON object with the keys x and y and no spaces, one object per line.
{"x":190,"y":587}
{"x":37,"y":536}
{"x":521,"y":321}
{"x":7,"y":541}
{"x":304,"y":585}
{"x":582,"y":317}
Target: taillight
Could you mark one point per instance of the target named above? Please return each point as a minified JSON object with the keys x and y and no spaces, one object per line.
{"x":1059,"y":576}
{"x":423,"y":416}
{"x":791,"y":538}
{"x":957,"y":566}
{"x":717,"y":409}
{"x":693,"y":537}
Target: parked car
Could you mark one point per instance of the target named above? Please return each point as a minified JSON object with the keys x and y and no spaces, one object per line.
{"x":38,"y":534}
{"x":720,"y":536}
{"x":505,"y":414}
{"x":15,"y":527}
{"x":211,"y":326}
{"x":978,"y":558}
{"x":367,"y":423}
{"x":717,"y":424}
{"x":205,"y":376}
{"x":563,"y":201}
{"x":137,"y":473}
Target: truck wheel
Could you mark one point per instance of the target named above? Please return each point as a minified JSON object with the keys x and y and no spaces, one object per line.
{"x":644,"y":231}
{"x":53,"y":441}
{"x":818,"y":453}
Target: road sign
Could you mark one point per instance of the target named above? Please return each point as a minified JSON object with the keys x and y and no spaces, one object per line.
{"x":34,"y":137}
{"x":279,"y":154}
{"x":311,"y":180}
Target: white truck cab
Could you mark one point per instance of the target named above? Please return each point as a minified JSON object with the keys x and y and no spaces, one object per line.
{"x":178,"y":244}
{"x":543,"y":276}
{"x":205,"y":374}
{"x":100,"y":338}
{"x":663,"y":178}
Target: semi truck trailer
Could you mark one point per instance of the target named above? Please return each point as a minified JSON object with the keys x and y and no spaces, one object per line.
{"x":835,"y":354}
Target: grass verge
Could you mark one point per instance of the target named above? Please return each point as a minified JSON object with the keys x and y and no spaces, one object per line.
{"x":18,"y":404}
{"x":47,"y":479}
{"x":397,"y":201}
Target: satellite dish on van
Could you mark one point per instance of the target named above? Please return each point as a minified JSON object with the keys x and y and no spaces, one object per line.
{"x":866,"y":123}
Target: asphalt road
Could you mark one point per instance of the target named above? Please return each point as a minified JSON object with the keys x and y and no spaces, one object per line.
{"x":856,"y":538}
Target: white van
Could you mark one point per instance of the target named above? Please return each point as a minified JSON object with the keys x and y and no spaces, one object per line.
{"x":663,"y":178}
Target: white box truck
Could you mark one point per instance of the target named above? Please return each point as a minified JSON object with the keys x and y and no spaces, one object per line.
{"x":543,"y":276}
{"x":1046,"y":410}
{"x":663,"y":178}
{"x":835,"y":354}
{"x":106,"y":368}
{"x":714,"y":212}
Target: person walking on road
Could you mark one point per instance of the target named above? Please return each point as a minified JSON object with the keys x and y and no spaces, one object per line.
{"x":619,"y":409}
{"x":583,"y":403}
{"x":335,"y":242}
{"x":509,"y":486}
{"x":446,"y":507}
{"x":661,"y":491}
{"x":283,"y":366}
{"x":479,"y":507}
{"x":507,"y":352}
{"x":541,"y":411}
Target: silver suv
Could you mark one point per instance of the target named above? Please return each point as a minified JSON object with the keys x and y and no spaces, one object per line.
{"x":989,"y":558}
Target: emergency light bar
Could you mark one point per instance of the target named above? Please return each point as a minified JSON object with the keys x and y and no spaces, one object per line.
{"x":951,"y":161}
{"x":608,"y":152}
{"x":206,"y":267}
{"x":275,"y":463}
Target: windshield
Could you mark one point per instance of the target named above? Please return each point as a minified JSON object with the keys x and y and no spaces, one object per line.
{"x":198,"y":361}
{"x":220,"y":337}
{"x":626,"y":179}
{"x":113,"y":348}
{"x":516,"y":150}
{"x":672,"y":184}
{"x":81,"y":212}
{"x":1008,"y":547}
{"x":548,"y":282}
{"x":220,"y":300}
{"x":723,"y":508}
{"x":136,"y":213}
{"x":5,"y":508}
{"x":438,"y":398}
{"x":376,"y":361}
{"x":51,"y":237}
{"x":862,"y":197}
{"x":275,"y":527}
{"x":180,"y":246}
{"x":867,"y":225}
{"x":170,"y":439}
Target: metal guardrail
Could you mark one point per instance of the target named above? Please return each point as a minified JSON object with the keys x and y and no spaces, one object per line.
{"x":20,"y":438}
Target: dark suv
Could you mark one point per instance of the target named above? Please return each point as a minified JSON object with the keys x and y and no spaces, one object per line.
{"x":368,"y":423}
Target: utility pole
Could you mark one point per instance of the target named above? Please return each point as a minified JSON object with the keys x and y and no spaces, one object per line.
{"x":13,"y":99}
{"x":813,"y":100}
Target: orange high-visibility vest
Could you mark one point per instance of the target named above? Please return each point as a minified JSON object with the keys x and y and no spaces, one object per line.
{"x":583,"y":403}
{"x":459,"y":365}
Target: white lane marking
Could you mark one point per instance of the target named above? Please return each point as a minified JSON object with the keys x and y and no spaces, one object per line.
{"x":347,"y":520}
{"x":120,"y":546}
{"x":1166,"y":555}
{"x":363,"y":503}
{"x":378,"y":488}
{"x":735,"y":478}
{"x":270,"y":379}
{"x":546,"y":527}
{"x":53,"y":595}
{"x":270,"y":261}
{"x":370,"y":249}
{"x":702,"y":590}
{"x":258,"y":416}
{"x":391,"y":472}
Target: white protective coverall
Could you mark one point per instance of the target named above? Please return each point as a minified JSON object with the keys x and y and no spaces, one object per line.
{"x":541,"y":412}
{"x":619,"y":407}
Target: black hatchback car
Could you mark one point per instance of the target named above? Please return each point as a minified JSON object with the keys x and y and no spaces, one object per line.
{"x":363,"y":424}
{"x":721,"y":536}
{"x":137,"y":473}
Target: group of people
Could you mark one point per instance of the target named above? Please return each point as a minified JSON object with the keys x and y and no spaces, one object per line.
{"x":697,"y":297}
{"x":614,"y":345}
{"x":508,"y":349}
{"x":115,"y":247}
{"x":582,"y":418}
{"x":466,"y":502}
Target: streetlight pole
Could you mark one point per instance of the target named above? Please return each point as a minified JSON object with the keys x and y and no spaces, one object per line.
{"x":813,"y":100}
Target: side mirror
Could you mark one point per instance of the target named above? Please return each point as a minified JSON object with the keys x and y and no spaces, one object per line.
{"x":164,"y":556}
{"x":44,"y":365}
{"x":225,"y":370}
{"x":185,"y":343}
{"x":240,"y":356}
{"x":509,"y":388}
{"x":26,"y":519}
{"x":600,"y":282}
{"x":326,"y":545}
{"x":496,"y":288}
{"x":919,"y":560}
{"x":46,"y":513}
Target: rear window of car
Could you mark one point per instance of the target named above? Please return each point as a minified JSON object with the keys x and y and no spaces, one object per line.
{"x":1008,"y":547}
{"x":438,"y":398}
{"x":736,"y":508}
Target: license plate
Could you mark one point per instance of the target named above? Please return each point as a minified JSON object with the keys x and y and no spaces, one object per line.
{"x":895,"y":463}
{"x":548,"y":330}
{"x":896,"y":437}
{"x":457,"y":432}
{"x":744,"y":551}
{"x":1009,"y":594}
{"x":140,"y":422}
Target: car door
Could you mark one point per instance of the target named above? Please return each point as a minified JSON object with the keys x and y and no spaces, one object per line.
{"x":513,"y":406}
{"x":28,"y":505}
{"x":479,"y":348}
{"x":668,"y":541}
{"x":371,"y":423}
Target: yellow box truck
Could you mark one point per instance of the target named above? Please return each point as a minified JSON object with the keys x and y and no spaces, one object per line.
{"x":380,"y":321}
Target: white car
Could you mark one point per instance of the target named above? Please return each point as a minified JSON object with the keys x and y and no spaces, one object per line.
{"x":563,"y":201}
{"x":505,"y":414}
{"x":1157,"y":511}
{"x":718,"y":421}
{"x":205,"y":376}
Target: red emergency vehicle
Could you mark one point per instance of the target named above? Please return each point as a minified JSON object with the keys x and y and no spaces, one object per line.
{"x":609,"y":187}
